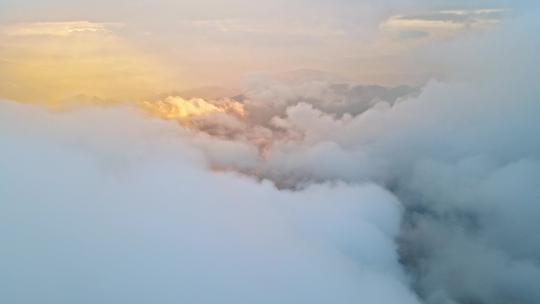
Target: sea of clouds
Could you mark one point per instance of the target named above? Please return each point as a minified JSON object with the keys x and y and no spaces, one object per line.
{"x":355,"y":194}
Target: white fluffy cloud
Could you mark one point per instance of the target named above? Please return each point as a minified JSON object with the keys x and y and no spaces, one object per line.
{"x":107,"y":206}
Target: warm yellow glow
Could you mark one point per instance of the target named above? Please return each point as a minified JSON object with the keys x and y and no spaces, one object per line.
{"x":55,"y":28}
{"x":174,"y":107}
{"x":178,"y":108}
{"x":55,"y":62}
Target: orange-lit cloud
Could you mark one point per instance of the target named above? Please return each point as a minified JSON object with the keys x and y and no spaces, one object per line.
{"x":175,"y":107}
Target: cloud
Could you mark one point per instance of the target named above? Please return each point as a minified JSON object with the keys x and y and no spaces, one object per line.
{"x":444,"y":23}
{"x":386,"y":194}
{"x":255,"y":117}
{"x":83,"y":221}
{"x":462,"y":156}
{"x":476,"y":242}
{"x":56,"y":28}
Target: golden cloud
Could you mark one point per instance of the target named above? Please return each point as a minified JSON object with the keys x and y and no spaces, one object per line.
{"x":178,"y":108}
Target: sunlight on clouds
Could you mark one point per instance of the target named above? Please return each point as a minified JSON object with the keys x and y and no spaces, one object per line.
{"x":51,"y":62}
{"x":66,"y":63}
{"x":175,"y":107}
{"x":444,"y":23}
{"x":236,"y":151}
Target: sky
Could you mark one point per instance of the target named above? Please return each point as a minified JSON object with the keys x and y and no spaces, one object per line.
{"x":135,"y":49}
{"x":234,"y":151}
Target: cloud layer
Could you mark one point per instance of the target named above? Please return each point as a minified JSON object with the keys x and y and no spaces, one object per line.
{"x":304,"y":188}
{"x":85,"y":222}
{"x":462,"y":157}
